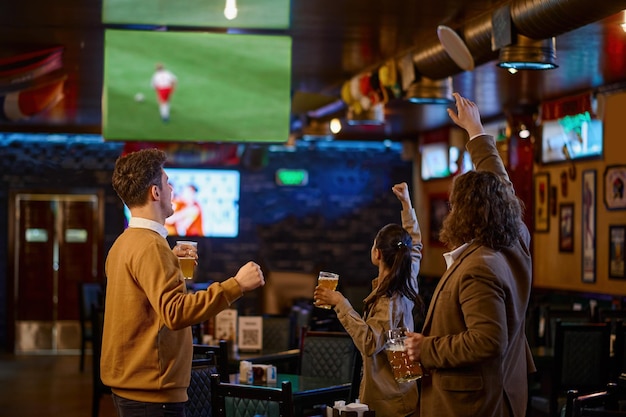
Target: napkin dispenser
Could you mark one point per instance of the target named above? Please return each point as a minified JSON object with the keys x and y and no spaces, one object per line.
{"x":250,"y":373}
{"x":355,"y":409}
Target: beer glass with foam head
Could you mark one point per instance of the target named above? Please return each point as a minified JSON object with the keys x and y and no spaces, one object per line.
{"x":327,"y":280}
{"x":188,"y":260}
{"x":404,"y":369}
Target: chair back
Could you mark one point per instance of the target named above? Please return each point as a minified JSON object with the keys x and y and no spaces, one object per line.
{"x":199,"y":390}
{"x":99,"y":389}
{"x":619,"y":350}
{"x":236,"y":400}
{"x":356,"y":376}
{"x":277,"y":333}
{"x":90,"y":294}
{"x":602,"y":403}
{"x":327,"y":355}
{"x":565,"y":316}
{"x":217,"y":355}
{"x":582,"y":358}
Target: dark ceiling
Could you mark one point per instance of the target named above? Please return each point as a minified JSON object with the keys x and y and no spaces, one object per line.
{"x":335,"y":40}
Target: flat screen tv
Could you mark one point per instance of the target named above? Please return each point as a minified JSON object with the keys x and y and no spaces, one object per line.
{"x":229,"y":87}
{"x":571,"y":137}
{"x":205,"y":202}
{"x":252,"y":14}
{"x":439,"y":160}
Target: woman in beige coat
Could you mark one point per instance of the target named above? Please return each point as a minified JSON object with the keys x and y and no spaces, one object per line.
{"x":397,"y":254}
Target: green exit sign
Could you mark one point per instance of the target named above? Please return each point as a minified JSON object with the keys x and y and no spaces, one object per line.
{"x":293,"y":177}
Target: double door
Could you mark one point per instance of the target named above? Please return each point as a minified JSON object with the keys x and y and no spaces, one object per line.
{"x":55,"y":243}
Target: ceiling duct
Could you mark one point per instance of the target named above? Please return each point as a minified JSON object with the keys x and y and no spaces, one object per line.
{"x":541,"y":19}
{"x":535,"y":19}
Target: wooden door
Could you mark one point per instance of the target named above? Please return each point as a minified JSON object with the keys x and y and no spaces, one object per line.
{"x":56,"y":245}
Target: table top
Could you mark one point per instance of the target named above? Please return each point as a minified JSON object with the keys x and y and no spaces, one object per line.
{"x":300,"y":385}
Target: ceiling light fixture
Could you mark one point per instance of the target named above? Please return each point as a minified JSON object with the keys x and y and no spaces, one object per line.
{"x":427,"y":91}
{"x":529,"y":54}
{"x":335,"y":126}
{"x":230,"y":11}
{"x":524,"y":133}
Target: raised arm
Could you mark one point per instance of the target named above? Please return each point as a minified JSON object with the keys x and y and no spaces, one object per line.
{"x":482,"y":147}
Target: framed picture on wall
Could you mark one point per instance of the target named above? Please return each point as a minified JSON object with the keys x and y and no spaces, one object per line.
{"x":588,"y":230}
{"x":566,"y":227}
{"x":617,"y":235}
{"x":542,"y":212}
{"x":614,"y":193}
{"x":438,"y":211}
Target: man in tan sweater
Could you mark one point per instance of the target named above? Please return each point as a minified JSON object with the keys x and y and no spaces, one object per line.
{"x":147,"y":340}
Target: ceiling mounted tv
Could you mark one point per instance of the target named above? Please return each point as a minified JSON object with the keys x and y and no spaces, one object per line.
{"x":248,"y":14}
{"x":571,"y":137}
{"x":229,"y":87}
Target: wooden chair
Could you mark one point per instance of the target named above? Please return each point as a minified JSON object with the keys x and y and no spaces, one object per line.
{"x":581,"y":362}
{"x":99,"y":389}
{"x":595,"y":404}
{"x":619,"y":350}
{"x":235,"y":400}
{"x":89,"y":294}
{"x":356,"y":376}
{"x":565,"y":316}
{"x":217,"y":355}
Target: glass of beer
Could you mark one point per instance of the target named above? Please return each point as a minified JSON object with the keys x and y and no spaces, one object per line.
{"x":327,"y":280}
{"x":404,"y":369}
{"x":188,"y":261}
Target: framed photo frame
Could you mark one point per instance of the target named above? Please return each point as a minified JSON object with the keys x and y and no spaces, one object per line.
{"x":542,"y":208}
{"x":439,"y":208}
{"x":588,"y":230}
{"x":614,"y":182}
{"x":617,"y":235}
{"x":566,"y":227}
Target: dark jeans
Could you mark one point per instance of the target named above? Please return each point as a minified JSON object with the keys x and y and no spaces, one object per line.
{"x":130,"y":408}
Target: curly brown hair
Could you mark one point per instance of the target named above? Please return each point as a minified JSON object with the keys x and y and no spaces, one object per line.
{"x":483,"y":209}
{"x":135,"y":173}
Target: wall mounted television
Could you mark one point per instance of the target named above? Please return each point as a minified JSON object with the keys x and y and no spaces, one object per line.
{"x":205,"y":201}
{"x":571,"y":137}
{"x":253,"y":14}
{"x":439,"y":160}
{"x":230,"y":87}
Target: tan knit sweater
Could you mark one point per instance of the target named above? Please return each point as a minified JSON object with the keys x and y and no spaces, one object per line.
{"x":147,"y":341}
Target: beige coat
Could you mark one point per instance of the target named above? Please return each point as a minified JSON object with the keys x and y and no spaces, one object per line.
{"x":475,"y":348}
{"x":378,"y":389}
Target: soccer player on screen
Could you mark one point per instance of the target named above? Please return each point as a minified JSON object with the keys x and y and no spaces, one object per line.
{"x":164,"y":83}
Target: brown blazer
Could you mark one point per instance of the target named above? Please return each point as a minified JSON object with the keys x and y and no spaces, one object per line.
{"x":475,"y":349}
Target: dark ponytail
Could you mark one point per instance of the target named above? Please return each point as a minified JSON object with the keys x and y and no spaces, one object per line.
{"x":395,"y":247}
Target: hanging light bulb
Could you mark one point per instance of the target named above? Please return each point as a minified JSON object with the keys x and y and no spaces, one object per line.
{"x":335,"y":126}
{"x":524,"y":133}
{"x":230,"y":11}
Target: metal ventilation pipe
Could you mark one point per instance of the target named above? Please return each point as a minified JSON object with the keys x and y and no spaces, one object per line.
{"x":536,"y":19}
{"x":541,"y":19}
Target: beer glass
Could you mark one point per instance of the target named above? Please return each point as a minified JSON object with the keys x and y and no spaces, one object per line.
{"x":404,"y":369}
{"x":187,"y":263}
{"x":327,"y":280}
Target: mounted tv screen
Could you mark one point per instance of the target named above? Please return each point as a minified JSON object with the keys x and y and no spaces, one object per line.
{"x":205,"y":202}
{"x":571,"y":137}
{"x":252,"y":14}
{"x":441,"y":161}
{"x":229,"y":88}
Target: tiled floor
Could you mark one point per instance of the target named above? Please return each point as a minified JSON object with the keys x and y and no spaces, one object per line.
{"x":47,"y":386}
